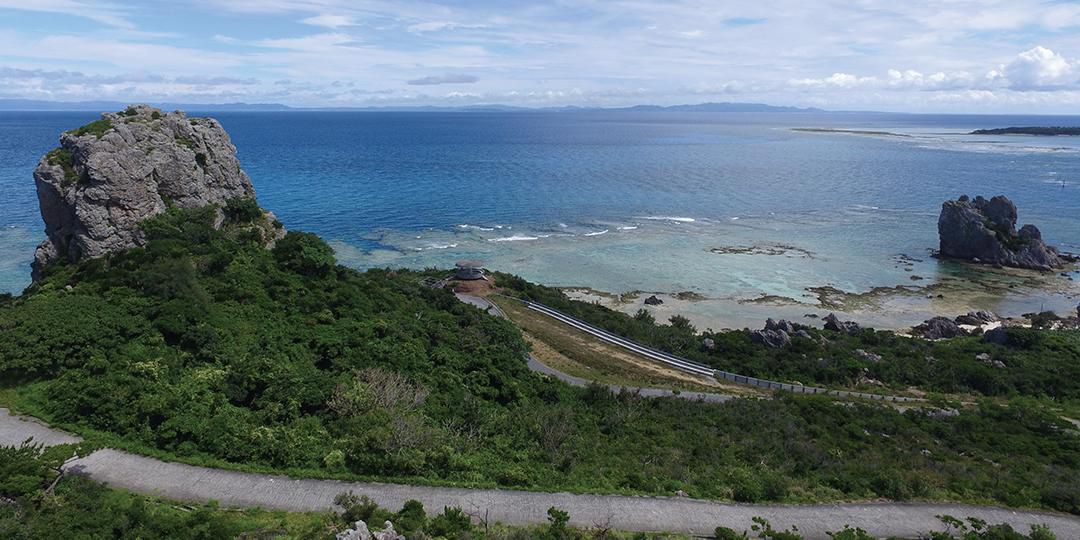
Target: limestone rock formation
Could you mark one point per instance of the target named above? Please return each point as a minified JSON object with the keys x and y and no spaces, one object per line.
{"x":977,"y":318}
{"x":110,"y":175}
{"x":984,"y":231}
{"x":832,"y":322}
{"x":360,"y":531}
{"x":778,"y":334}
{"x":939,"y":328}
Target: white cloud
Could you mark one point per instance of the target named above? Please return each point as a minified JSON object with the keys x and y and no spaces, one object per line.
{"x":329,"y":21}
{"x":439,"y":26}
{"x":102,"y":12}
{"x":449,"y":78}
{"x":1040,"y":69}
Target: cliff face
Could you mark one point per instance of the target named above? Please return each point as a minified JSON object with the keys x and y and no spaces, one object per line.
{"x":113,"y":173}
{"x":985,"y":230}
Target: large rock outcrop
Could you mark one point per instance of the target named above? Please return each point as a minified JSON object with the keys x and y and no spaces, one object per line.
{"x":112,"y":174}
{"x":985,"y":231}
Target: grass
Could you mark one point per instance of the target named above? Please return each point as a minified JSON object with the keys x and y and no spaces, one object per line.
{"x":64,"y":159}
{"x":97,"y":128}
{"x":579,"y":354}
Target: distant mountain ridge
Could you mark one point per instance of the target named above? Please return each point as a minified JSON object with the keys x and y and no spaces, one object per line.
{"x":100,"y":106}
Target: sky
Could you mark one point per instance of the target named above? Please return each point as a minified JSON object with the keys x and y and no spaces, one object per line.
{"x":956,"y":56}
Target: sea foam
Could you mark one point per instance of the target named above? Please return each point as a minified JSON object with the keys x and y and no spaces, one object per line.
{"x":670,"y":218}
{"x":514,"y":238}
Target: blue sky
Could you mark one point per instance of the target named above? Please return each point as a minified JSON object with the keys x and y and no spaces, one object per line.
{"x":925,"y":56}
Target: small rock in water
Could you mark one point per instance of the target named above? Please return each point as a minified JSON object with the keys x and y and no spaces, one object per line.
{"x":984,"y":231}
{"x":653,"y":301}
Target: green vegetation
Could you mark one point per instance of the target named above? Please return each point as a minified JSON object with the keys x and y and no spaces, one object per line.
{"x":243,"y":210}
{"x":205,"y":347}
{"x":1038,"y":363}
{"x":1045,"y":131}
{"x":98,"y":128}
{"x":63,"y":158}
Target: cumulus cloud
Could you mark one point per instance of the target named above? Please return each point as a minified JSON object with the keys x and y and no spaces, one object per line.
{"x":1039,"y":69}
{"x":449,"y":78}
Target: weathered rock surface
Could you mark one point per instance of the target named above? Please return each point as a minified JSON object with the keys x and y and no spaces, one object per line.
{"x":984,"y":231}
{"x":939,"y":328}
{"x":977,"y":318}
{"x":778,"y":334}
{"x":832,"y":322}
{"x":360,"y":531}
{"x":112,"y":174}
{"x":653,"y":301}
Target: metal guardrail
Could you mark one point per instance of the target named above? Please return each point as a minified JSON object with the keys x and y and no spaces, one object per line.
{"x":697,"y":368}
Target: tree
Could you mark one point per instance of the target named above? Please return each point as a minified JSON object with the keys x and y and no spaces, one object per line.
{"x":305,"y":253}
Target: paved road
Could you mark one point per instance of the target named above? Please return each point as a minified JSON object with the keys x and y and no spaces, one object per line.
{"x":236,"y":489}
{"x":540,"y":367}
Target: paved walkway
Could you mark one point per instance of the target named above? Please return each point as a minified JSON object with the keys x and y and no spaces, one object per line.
{"x":236,"y":489}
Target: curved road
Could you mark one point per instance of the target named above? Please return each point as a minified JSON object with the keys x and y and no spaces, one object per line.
{"x":696,"y":517}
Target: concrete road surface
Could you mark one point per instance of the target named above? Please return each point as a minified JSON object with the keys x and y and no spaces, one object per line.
{"x":676,"y":514}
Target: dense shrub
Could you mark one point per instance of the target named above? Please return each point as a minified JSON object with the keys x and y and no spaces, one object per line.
{"x":206,"y":346}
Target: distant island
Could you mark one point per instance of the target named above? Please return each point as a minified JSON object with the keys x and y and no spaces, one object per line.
{"x":99,"y":106}
{"x":1031,"y":130}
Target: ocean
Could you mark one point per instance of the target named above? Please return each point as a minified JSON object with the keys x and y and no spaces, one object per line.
{"x":744,"y":215}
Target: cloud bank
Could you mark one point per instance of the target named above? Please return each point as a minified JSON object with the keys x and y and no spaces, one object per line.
{"x":444,"y":79}
{"x":922,"y":55}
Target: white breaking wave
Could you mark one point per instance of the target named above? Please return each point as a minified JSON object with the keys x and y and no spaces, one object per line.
{"x":671,"y":218}
{"x":442,"y":246}
{"x":476,"y":227}
{"x":628,"y":228}
{"x":515,"y":238}
{"x":597,"y":233}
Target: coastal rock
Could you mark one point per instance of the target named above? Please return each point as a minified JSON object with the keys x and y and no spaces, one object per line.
{"x":778,"y":334}
{"x":996,"y":336}
{"x":359,"y":531}
{"x":939,"y":328}
{"x":773,"y":339}
{"x":984,"y":231}
{"x":653,"y":301}
{"x":977,"y":318}
{"x":388,"y":533}
{"x":110,"y":175}
{"x":832,"y":322}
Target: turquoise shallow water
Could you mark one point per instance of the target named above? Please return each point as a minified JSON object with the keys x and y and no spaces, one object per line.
{"x":629,"y":201}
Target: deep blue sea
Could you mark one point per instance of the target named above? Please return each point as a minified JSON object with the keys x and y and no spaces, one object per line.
{"x":733,"y":207}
